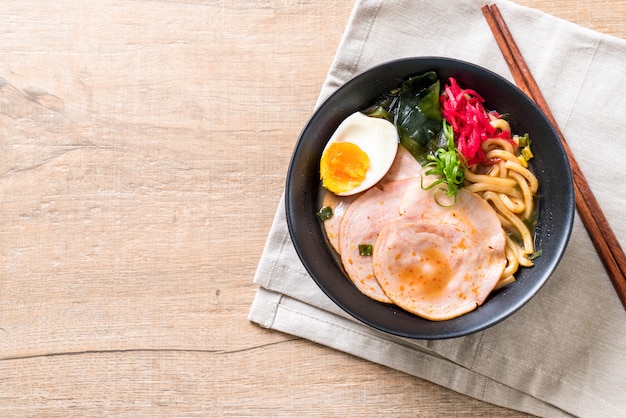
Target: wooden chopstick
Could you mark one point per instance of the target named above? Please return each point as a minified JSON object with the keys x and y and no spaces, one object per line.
{"x":598,"y":228}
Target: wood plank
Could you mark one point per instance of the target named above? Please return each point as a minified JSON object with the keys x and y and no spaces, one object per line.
{"x":144,"y":149}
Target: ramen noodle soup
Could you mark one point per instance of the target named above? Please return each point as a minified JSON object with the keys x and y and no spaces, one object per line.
{"x":450,"y":216}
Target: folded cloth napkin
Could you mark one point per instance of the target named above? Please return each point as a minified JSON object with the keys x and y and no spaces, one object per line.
{"x":563,"y":353}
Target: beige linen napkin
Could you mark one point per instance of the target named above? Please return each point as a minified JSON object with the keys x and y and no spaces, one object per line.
{"x":562,"y":354}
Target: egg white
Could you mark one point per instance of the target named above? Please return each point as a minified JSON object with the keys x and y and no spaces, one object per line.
{"x":378,"y":138}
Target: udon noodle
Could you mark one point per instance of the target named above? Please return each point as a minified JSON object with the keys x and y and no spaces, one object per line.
{"x":511,"y":188}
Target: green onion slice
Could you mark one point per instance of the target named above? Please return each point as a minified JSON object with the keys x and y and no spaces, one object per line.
{"x":365,"y":249}
{"x":325,"y":213}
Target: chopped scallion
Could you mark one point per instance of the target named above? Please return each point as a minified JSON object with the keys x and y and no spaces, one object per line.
{"x":523,"y":161}
{"x":449,"y":164}
{"x":365,"y":249}
{"x":527,"y":153}
{"x":524,"y":140}
{"x":325,"y":213}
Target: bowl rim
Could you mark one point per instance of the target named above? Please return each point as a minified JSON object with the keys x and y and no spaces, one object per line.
{"x":313,"y":267}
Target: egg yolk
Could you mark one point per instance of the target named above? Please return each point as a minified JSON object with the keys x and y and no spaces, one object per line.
{"x":343,"y":166}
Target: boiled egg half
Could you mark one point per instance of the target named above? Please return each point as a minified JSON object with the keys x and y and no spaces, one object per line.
{"x":358,"y":154}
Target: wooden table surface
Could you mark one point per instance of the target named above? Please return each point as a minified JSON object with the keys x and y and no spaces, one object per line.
{"x":144,"y":147}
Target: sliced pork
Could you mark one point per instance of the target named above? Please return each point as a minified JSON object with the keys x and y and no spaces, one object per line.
{"x":434,"y":261}
{"x":404,"y":166}
{"x":440,"y":262}
{"x":361,"y":224}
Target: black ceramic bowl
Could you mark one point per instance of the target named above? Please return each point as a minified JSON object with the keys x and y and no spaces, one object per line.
{"x":550,"y":164}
